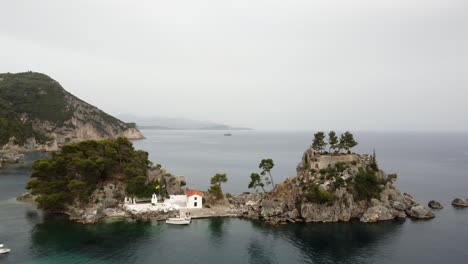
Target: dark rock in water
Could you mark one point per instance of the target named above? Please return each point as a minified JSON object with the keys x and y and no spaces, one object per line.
{"x":460,"y":202}
{"x":420,"y":212}
{"x":435,"y":205}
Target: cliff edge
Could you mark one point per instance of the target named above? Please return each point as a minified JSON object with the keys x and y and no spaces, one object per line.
{"x":37,"y":113}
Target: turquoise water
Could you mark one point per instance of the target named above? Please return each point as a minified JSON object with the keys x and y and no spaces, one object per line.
{"x":430,"y":166}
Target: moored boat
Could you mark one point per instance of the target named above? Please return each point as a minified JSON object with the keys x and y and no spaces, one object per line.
{"x":4,"y":250}
{"x":179,"y":220}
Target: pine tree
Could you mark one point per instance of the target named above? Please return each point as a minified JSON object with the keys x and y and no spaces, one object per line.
{"x":332,"y":140}
{"x":267,"y":165}
{"x":374,"y":166}
{"x":319,"y":144}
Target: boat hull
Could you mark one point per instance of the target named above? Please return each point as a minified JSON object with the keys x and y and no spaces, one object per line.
{"x":178,"y":221}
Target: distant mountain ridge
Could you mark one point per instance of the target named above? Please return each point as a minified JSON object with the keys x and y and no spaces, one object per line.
{"x":166,"y":123}
{"x":39,"y":113}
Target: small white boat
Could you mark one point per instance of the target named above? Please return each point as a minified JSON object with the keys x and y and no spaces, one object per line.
{"x":4,"y":250}
{"x":179,"y":220}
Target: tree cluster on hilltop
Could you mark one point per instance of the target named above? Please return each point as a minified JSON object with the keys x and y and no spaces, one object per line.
{"x":344,"y":142}
{"x":80,"y":168}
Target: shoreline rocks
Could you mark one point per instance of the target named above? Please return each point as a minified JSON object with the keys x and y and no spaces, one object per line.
{"x":419,"y":212}
{"x":458,"y":202}
{"x":27,"y":198}
{"x":10,"y":157}
{"x":435,"y":205}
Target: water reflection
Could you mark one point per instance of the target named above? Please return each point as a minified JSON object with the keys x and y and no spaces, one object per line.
{"x":113,"y":239}
{"x":216,"y":229}
{"x":258,"y":253}
{"x":351,"y":242}
{"x":32,"y":215}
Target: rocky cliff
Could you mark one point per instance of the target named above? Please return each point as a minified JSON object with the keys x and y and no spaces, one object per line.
{"x":332,"y":188}
{"x":38,"y":114}
{"x":106,"y":202}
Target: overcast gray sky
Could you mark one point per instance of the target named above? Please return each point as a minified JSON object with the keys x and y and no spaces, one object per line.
{"x":359,"y":65}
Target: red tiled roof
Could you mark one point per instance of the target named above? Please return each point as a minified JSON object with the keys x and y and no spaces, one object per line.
{"x":191,"y":192}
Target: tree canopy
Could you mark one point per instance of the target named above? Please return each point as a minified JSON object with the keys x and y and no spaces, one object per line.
{"x":345,"y":142}
{"x":256,"y":182}
{"x":319,"y":142}
{"x":333,"y":140}
{"x":267,"y":165}
{"x":215,"y":187}
{"x":79,"y":168}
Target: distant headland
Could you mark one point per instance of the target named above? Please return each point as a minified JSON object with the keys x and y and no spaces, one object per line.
{"x":167,"y":123}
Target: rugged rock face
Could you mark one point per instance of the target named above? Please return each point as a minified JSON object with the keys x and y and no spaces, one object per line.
{"x":174,"y":185}
{"x":333,"y":198}
{"x":43,"y":116}
{"x":10,"y":154}
{"x":102,"y":203}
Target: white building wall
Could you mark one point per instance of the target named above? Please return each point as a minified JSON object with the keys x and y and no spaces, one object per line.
{"x":195,"y":201}
{"x":180,"y":200}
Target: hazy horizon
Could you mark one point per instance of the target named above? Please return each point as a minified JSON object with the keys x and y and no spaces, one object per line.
{"x":359,"y":65}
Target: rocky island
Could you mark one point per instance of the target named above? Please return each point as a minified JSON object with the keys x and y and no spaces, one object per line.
{"x":90,"y":181}
{"x":333,"y":188}
{"x":38,"y":114}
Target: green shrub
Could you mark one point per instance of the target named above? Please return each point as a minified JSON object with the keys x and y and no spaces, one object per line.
{"x":392,"y":177}
{"x":338,"y":183}
{"x":313,"y":194}
{"x":367,"y":185}
{"x":216,"y":191}
{"x":340,"y":167}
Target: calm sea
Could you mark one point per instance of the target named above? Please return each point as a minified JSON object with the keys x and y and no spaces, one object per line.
{"x":429,"y":166}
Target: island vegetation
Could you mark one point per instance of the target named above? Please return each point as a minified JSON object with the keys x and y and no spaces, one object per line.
{"x":73,"y":173}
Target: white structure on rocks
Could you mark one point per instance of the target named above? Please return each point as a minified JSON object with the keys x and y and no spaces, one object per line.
{"x":194,"y":199}
{"x":129,"y":200}
{"x":154,"y":199}
{"x":179,"y":200}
